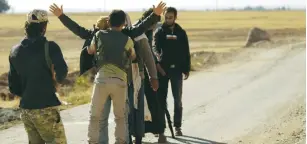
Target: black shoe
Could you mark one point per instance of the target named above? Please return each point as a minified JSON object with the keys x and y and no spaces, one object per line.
{"x":162,"y":138}
{"x":138,"y":140}
{"x":178,"y":132}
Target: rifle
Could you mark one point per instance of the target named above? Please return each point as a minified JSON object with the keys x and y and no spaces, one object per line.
{"x":168,"y":117}
{"x":51,"y":66}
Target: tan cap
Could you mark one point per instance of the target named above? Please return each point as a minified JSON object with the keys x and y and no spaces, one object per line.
{"x":37,"y":16}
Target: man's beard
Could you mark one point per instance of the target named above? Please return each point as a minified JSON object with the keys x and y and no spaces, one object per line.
{"x":170,"y":25}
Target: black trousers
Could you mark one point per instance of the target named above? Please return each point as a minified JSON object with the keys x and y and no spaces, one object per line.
{"x":176,"y":84}
{"x":157,"y":113}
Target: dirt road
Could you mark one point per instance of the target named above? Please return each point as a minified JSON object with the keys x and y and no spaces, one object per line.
{"x":255,"y":94}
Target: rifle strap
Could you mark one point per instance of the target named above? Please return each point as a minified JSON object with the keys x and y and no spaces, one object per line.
{"x":47,"y":56}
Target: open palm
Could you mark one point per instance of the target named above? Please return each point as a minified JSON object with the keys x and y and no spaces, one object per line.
{"x":56,"y":10}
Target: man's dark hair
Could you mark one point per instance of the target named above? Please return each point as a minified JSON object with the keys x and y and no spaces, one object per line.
{"x":117,"y":18}
{"x":35,"y":29}
{"x":147,"y":13}
{"x":172,"y":10}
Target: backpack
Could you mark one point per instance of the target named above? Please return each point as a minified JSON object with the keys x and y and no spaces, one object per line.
{"x":50,"y":65}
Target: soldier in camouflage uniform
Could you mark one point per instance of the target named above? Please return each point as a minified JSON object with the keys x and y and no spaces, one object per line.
{"x":44,"y":125}
{"x":30,"y":77}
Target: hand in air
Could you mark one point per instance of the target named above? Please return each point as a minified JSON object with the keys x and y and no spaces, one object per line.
{"x":160,"y":8}
{"x":56,"y":10}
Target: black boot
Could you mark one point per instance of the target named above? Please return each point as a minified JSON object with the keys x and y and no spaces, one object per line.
{"x":178,"y":132}
{"x":162,"y":138}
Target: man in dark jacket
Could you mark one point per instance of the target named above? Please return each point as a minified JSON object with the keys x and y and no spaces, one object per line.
{"x":172,"y":50}
{"x":87,"y":34}
{"x":154,"y":126}
{"x":31,"y":78}
{"x":145,"y":61}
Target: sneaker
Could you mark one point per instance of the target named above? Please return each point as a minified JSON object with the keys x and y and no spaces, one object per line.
{"x":162,"y":138}
{"x":178,"y":132}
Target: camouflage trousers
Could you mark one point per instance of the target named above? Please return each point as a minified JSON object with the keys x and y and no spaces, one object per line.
{"x":43,"y":126}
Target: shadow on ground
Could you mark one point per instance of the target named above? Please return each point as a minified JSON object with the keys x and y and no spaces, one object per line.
{"x":188,"y":140}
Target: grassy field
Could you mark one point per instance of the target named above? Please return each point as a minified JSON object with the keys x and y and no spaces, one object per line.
{"x":209,"y":31}
{"x":190,"y":20}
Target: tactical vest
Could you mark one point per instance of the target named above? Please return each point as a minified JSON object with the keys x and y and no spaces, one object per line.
{"x":111,"y":49}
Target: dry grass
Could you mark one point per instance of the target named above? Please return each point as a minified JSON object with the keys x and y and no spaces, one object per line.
{"x":78,"y":95}
{"x":209,"y":31}
{"x":191,"y":20}
{"x":10,"y":104}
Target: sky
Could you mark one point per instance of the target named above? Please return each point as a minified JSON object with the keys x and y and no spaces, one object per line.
{"x":101,"y":5}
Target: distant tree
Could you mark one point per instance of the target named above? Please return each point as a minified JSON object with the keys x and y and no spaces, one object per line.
{"x":230,"y":9}
{"x":283,"y":8}
{"x":259,"y":8}
{"x":248,"y":8}
{"x":4,"y":6}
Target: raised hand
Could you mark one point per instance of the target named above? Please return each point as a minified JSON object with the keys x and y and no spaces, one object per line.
{"x":56,"y":10}
{"x":160,"y":8}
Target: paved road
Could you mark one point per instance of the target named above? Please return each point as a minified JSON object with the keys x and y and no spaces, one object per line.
{"x":220,"y":104}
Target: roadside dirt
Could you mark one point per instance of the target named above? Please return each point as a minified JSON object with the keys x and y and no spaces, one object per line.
{"x":286,"y":125}
{"x":229,"y":101}
{"x":200,"y":61}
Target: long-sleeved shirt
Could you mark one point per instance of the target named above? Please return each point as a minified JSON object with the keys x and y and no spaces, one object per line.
{"x":86,"y":60}
{"x":171,"y":47}
{"x":146,"y":58}
{"x":29,"y":75}
{"x":132,"y":32}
